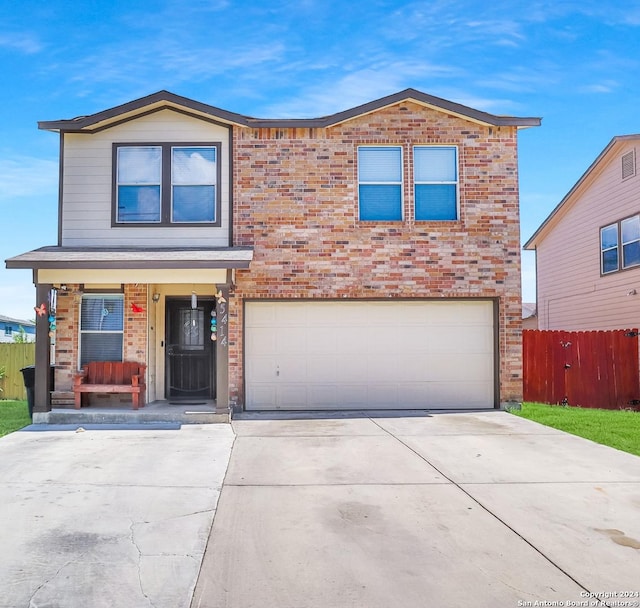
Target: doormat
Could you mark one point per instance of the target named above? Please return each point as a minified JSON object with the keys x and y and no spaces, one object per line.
{"x":187,"y":403}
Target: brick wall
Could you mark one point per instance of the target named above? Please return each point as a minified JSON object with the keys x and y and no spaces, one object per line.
{"x":295,"y":202}
{"x":67,"y":331}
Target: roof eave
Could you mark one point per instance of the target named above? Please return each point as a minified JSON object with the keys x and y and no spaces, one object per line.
{"x":101,"y":119}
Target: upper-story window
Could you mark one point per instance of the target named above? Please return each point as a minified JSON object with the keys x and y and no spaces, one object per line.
{"x":435,"y":171}
{"x":8,"y":330}
{"x":435,"y":187}
{"x":380,"y":183}
{"x":166,"y":184}
{"x":620,"y":245}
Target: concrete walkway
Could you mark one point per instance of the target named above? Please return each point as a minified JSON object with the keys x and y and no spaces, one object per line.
{"x":482,"y":510}
{"x":107,"y":518}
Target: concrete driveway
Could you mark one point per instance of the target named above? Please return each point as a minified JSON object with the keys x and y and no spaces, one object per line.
{"x":108,"y":518}
{"x":448,"y":510}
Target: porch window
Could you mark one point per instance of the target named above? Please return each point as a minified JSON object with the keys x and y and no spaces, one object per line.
{"x":101,"y":327}
{"x":380,"y":183}
{"x":435,"y":182}
{"x":166,"y":184}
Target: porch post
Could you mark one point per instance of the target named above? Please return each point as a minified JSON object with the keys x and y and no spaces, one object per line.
{"x":222,"y":352}
{"x":42,"y":396}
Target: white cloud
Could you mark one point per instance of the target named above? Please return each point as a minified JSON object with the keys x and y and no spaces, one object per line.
{"x":21,"y":42}
{"x":22,"y":176}
{"x":357,"y":87}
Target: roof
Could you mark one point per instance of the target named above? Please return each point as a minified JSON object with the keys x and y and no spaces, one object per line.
{"x":570,"y":197}
{"x":167,"y":100}
{"x":4,"y":319}
{"x":133,"y":257}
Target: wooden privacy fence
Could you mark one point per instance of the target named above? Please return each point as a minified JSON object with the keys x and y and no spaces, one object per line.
{"x":582,"y":368}
{"x":13,"y":357}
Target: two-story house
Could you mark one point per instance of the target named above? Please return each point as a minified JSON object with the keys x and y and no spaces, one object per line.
{"x":365,"y":260}
{"x":12,"y":330}
{"x":588,"y":249}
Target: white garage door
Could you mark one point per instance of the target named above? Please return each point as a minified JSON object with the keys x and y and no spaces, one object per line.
{"x":314,"y":355}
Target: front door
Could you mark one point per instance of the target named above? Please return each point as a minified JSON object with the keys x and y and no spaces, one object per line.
{"x":190,"y":353}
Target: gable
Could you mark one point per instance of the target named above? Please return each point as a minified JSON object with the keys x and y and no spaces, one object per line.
{"x":611,"y":165}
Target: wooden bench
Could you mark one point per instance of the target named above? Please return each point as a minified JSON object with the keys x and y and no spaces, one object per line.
{"x":111,"y":377}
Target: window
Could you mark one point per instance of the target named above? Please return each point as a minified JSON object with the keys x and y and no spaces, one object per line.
{"x":380,"y":183}
{"x":609,"y":248}
{"x":101,"y":327}
{"x":8,"y":330}
{"x":630,"y":233}
{"x":166,"y":184}
{"x":620,"y":245}
{"x":436,"y":182}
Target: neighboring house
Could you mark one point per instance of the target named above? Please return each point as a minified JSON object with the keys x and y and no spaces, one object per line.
{"x":588,"y":249}
{"x":367,"y":259}
{"x":12,"y":328}
{"x":529,"y":316}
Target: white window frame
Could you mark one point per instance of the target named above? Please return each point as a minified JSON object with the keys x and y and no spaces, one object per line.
{"x":399,"y":183}
{"x":621,"y":256}
{"x":455,"y":182}
{"x":82,"y":332}
{"x":616,"y":247}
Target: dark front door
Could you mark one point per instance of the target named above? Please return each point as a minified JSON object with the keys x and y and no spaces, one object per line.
{"x":190,"y":353}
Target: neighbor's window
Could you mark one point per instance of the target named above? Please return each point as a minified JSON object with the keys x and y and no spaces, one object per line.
{"x":620,"y":245}
{"x":8,"y":330}
{"x":380,"y":183}
{"x":166,"y":184}
{"x":630,"y":239}
{"x":435,"y":182}
{"x":101,"y":327}
{"x":609,"y":248}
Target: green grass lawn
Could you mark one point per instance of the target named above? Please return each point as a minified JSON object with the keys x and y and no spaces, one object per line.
{"x":615,"y":428}
{"x":13,"y":416}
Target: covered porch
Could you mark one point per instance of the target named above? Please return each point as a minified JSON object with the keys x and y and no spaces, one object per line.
{"x":165,"y":308}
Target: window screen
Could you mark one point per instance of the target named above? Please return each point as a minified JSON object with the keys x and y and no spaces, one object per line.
{"x":101,"y":327}
{"x":380,"y":183}
{"x":436,"y":182}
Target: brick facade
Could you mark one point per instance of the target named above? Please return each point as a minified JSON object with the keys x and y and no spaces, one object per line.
{"x":295,"y":202}
{"x":68,"y":331}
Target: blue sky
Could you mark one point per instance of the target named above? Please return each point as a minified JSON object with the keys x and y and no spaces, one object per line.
{"x":575,"y":64}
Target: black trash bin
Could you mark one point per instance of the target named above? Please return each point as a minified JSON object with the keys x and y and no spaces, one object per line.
{"x":29,"y":377}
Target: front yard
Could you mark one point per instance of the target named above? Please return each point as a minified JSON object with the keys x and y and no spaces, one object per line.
{"x":13,"y":416}
{"x":615,"y":428}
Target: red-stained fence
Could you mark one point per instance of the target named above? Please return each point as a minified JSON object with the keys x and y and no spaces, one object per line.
{"x":583,"y":368}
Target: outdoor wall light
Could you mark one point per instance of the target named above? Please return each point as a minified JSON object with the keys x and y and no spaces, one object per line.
{"x":156,"y":298}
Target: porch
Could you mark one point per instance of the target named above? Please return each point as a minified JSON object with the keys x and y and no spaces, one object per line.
{"x":161,"y":411}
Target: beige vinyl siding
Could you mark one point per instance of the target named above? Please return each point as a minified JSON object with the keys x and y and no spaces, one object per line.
{"x":572,"y":294}
{"x":86,"y":210}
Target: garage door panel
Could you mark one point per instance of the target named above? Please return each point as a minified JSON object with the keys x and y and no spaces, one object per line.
{"x":291,"y":368}
{"x":364,"y":354}
{"x":352,"y":339}
{"x":262,"y":341}
{"x":262,"y":395}
{"x":322,"y":340}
